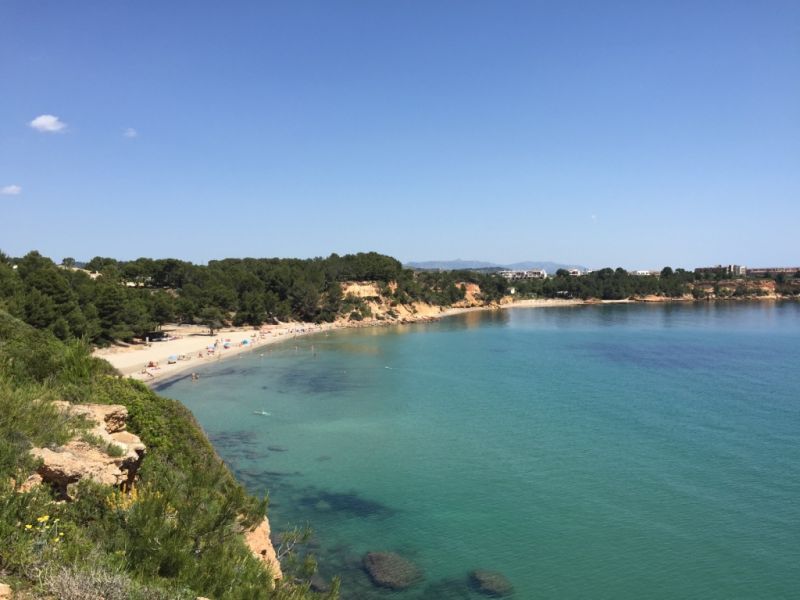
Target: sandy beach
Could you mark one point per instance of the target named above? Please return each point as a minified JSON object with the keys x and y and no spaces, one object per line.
{"x":193,"y":347}
{"x":191,"y":344}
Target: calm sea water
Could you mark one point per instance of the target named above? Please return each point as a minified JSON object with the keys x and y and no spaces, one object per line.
{"x":585,"y":452}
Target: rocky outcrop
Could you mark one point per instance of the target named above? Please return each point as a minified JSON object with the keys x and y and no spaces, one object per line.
{"x":261,"y":546}
{"x":390,"y":570}
{"x":115,"y":462}
{"x":491,"y":583}
{"x":5,"y":591}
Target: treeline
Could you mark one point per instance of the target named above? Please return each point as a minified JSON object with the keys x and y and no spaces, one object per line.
{"x":609,"y":284}
{"x":119,"y":300}
{"x":110,"y":300}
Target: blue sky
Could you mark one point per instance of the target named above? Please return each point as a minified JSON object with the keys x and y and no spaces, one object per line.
{"x":602,"y":133}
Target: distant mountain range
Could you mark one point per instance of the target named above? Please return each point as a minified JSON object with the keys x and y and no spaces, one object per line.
{"x":453,"y":265}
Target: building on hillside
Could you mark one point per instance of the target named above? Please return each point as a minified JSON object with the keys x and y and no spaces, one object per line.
{"x":772,"y":271}
{"x":575,"y":272}
{"x":529,"y":274}
{"x":730,"y":270}
{"x":642,"y":273}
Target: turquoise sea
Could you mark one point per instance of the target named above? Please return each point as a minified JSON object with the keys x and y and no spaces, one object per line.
{"x":619,"y":451}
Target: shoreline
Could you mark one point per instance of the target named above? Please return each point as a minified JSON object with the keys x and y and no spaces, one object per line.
{"x":130,"y":360}
{"x":194,"y":344}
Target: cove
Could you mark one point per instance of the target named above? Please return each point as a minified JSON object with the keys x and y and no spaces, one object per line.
{"x":620,"y":451}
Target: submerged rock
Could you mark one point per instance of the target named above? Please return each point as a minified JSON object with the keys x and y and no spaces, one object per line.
{"x":320,"y":584}
{"x":390,"y":570}
{"x":322,"y":505}
{"x":491,"y":583}
{"x":449,"y":589}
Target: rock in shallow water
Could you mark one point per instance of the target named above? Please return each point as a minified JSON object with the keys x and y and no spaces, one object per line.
{"x":449,"y":589}
{"x":390,"y":570}
{"x":491,"y":583}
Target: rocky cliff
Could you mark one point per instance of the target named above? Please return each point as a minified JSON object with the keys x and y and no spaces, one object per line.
{"x":106,"y":453}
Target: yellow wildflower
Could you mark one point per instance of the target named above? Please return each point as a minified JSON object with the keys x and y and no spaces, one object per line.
{"x":28,"y":526}
{"x":43,"y":519}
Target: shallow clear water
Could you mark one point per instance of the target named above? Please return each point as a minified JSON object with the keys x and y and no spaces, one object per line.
{"x":585,"y":452}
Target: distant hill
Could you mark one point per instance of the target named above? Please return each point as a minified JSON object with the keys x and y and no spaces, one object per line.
{"x":450,"y":265}
{"x":453,"y":265}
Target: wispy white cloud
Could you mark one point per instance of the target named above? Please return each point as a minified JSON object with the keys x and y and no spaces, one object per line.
{"x":11,"y":190}
{"x":48,"y":124}
{"x":130,"y":132}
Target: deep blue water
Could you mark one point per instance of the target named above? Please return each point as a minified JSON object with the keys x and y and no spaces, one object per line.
{"x":628,"y":451}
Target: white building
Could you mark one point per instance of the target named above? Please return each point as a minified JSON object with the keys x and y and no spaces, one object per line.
{"x":529,"y":274}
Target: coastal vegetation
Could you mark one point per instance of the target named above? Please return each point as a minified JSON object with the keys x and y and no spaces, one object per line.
{"x":109,"y":300}
{"x":176,"y":534}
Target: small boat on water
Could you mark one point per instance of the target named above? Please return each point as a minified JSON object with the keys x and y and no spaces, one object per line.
{"x":263,"y":413}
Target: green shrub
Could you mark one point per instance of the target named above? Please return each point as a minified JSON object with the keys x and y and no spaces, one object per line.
{"x":28,"y":419}
{"x":176,"y":535}
{"x":110,"y":448}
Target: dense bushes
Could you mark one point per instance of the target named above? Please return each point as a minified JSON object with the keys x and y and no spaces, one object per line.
{"x":130,"y":299}
{"x":175,"y":536}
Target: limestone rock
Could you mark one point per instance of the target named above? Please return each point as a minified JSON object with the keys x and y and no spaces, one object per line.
{"x":5,"y":591}
{"x":112,"y":417}
{"x":390,"y":570}
{"x":490,"y":583}
{"x":30,"y":483}
{"x":78,"y":460}
{"x":261,"y":546}
{"x":74,"y":462}
{"x":127,"y":441}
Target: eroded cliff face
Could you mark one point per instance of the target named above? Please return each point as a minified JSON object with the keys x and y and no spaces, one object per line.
{"x":109,"y":455}
{"x":261,"y":546}
{"x":386,"y":310}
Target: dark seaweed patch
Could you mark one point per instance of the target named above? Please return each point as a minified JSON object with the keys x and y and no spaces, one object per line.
{"x":252,"y":455}
{"x":346,"y":503}
{"x":313,"y":381}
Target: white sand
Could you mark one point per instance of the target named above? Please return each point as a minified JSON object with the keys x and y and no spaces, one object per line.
{"x":192,"y":342}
